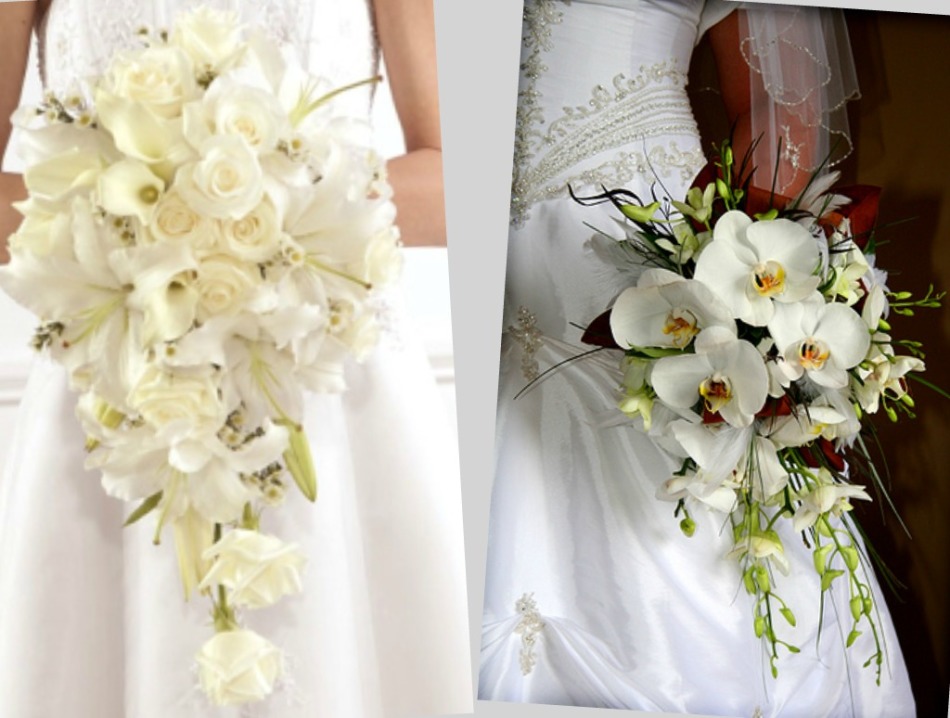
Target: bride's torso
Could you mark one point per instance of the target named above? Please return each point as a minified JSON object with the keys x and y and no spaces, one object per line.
{"x":602,"y":102}
{"x":336,"y":37}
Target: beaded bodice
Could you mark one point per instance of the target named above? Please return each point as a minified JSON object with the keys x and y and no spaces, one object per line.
{"x":336,"y":37}
{"x":602,"y":98}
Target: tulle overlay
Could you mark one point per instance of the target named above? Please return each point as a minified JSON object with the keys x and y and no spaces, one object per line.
{"x":92,"y":616}
{"x":593,"y":595}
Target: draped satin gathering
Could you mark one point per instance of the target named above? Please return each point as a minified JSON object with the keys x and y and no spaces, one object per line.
{"x":593,"y":595}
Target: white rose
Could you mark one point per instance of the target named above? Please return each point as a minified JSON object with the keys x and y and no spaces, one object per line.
{"x":175,"y":221}
{"x":160,"y":78}
{"x":209,"y":37}
{"x":255,"y":115}
{"x":226,"y":182}
{"x":256,"y":236}
{"x":383,"y":258}
{"x":163,"y":397}
{"x":238,"y":666}
{"x":223,"y":282}
{"x":258,"y":569}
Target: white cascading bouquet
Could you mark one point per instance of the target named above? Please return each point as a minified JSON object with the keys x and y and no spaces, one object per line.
{"x":755,"y":346}
{"x":203,"y":241}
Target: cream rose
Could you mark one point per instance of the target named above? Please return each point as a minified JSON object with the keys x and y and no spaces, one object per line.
{"x":175,"y":221}
{"x":160,"y":78}
{"x":223,"y":283}
{"x":258,"y":569}
{"x":256,"y":236}
{"x":226,"y":182}
{"x":238,"y":666}
{"x":248,"y":112}
{"x":209,"y":37}
{"x":162,"y":398}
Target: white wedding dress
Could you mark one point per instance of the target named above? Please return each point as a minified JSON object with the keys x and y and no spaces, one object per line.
{"x":594,"y":597}
{"x":92,"y":619}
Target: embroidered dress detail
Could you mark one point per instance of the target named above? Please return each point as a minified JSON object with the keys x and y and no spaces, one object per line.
{"x":632,"y":110}
{"x":529,"y":337}
{"x":529,"y":627}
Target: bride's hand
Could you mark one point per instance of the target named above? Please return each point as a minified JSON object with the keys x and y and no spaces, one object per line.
{"x":16,"y":27}
{"x":407,"y":36}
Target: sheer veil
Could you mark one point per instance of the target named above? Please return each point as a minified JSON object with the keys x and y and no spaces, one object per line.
{"x":802,"y":77}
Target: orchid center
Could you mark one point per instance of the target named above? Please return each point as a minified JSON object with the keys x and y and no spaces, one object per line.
{"x":813,"y":353}
{"x":681,"y":325}
{"x":769,"y":278}
{"x":716,"y":391}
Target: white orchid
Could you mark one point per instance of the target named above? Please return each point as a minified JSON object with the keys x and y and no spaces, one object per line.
{"x":823,"y":496}
{"x":666,"y":310}
{"x":884,"y":375}
{"x":752,"y":266}
{"x":761,"y":545}
{"x":807,"y":423}
{"x":717,"y":451}
{"x":820,"y":340}
{"x":726,"y":373}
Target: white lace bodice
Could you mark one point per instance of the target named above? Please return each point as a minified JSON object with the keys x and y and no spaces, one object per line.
{"x":337,"y":37}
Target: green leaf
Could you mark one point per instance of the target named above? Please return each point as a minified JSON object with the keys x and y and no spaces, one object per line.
{"x":144,"y":509}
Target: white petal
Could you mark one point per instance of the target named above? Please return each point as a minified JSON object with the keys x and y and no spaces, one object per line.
{"x":676,"y":379}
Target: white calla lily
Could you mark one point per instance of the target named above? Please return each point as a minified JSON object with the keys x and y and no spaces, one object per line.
{"x":752,"y":266}
{"x":129,"y":189}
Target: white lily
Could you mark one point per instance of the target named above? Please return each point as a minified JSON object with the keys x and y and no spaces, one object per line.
{"x":726,"y":373}
{"x":752,"y":266}
{"x":214,"y":486}
{"x":820,"y":340}
{"x":666,"y":310}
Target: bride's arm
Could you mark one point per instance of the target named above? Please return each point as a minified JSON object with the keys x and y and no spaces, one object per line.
{"x":16,"y":26}
{"x":407,"y":35}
